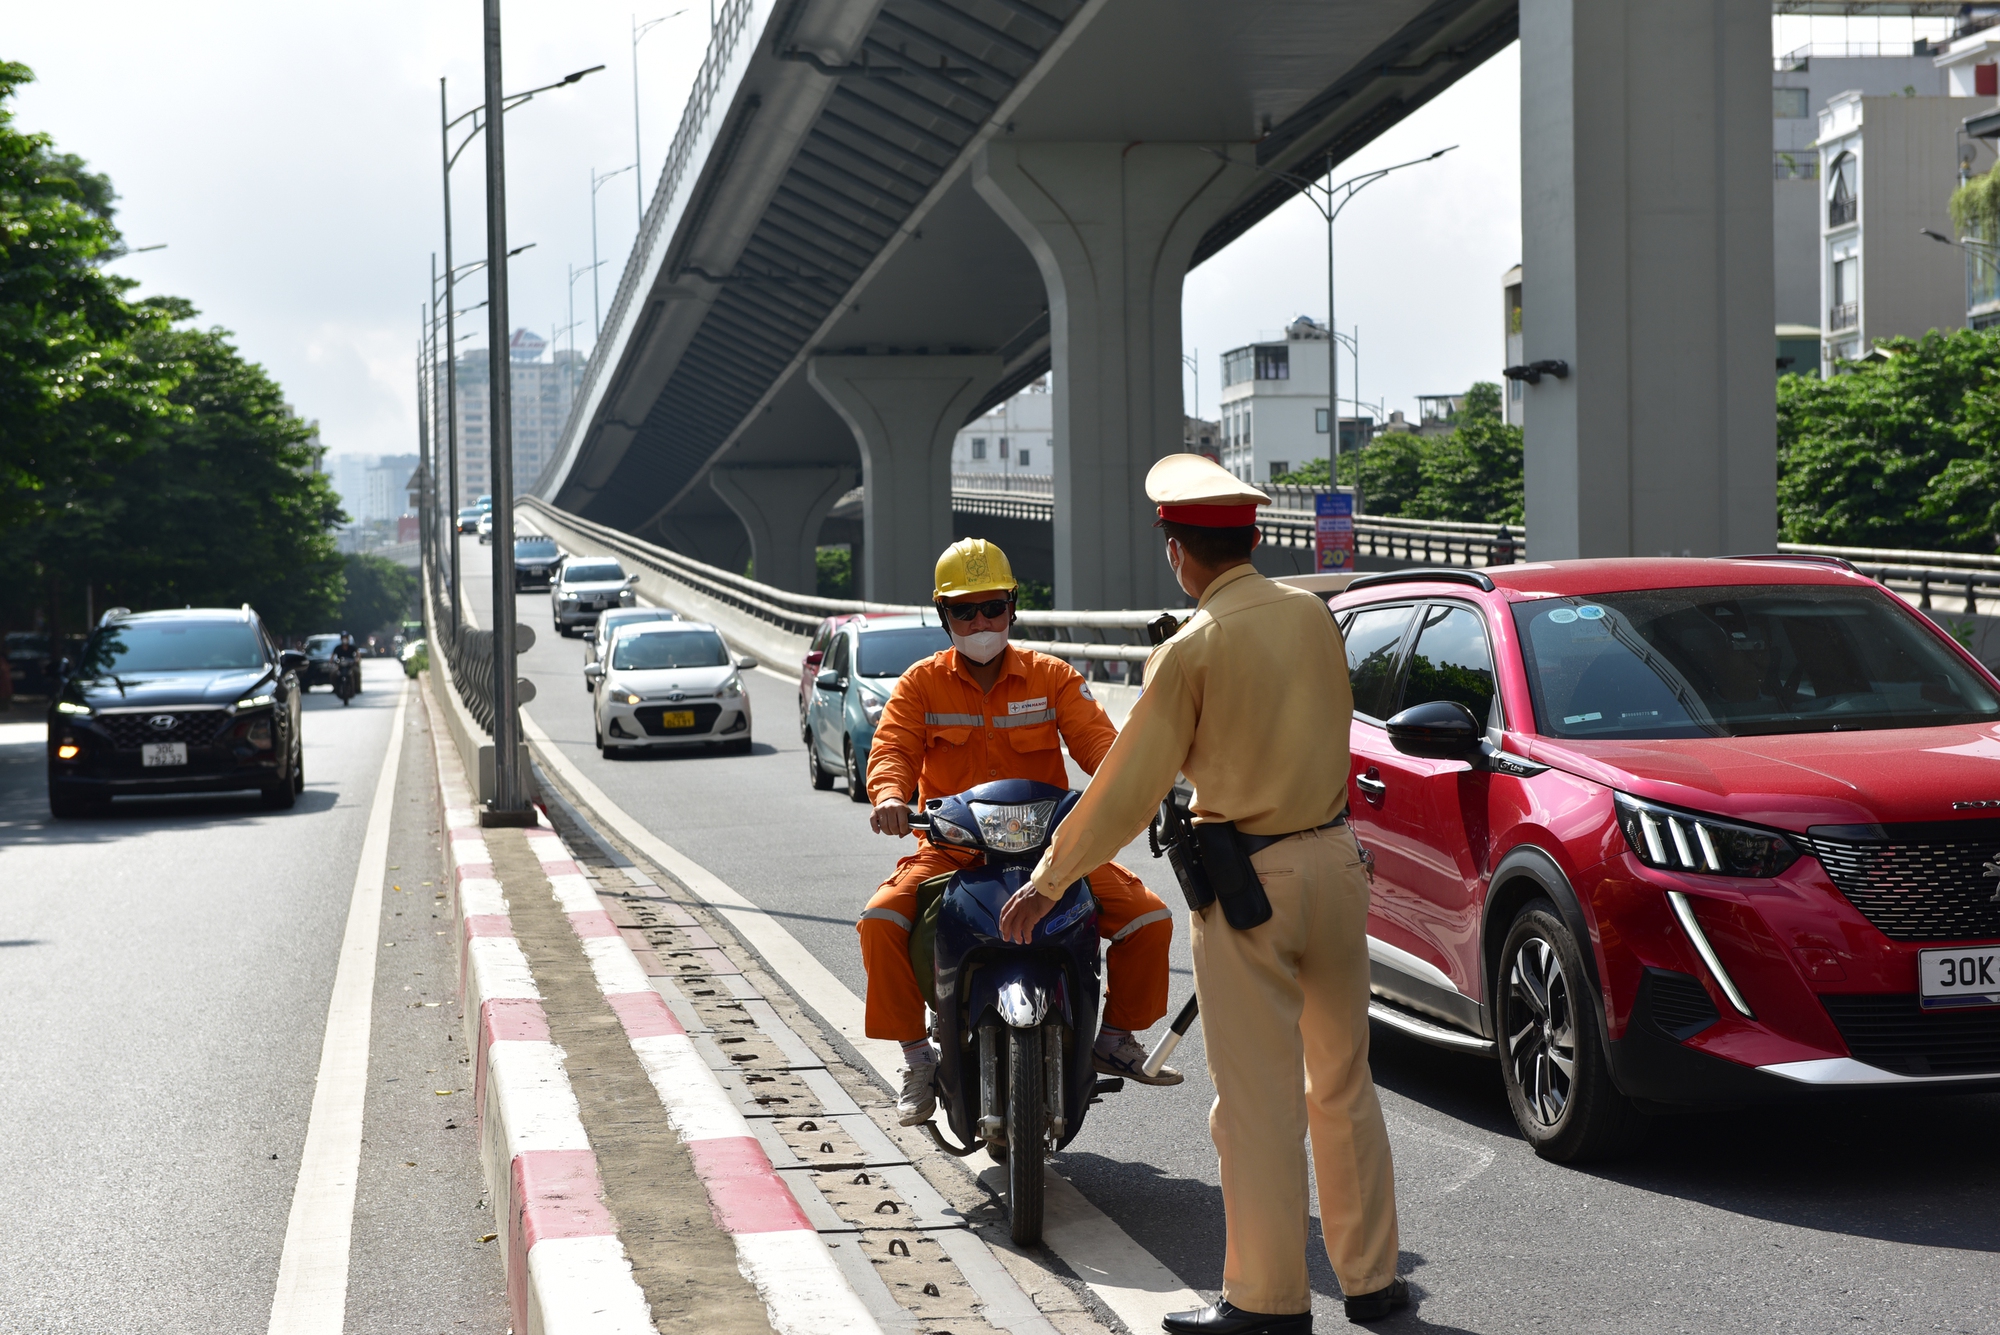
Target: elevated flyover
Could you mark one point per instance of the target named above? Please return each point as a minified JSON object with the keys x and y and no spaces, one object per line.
{"x":881,"y":217}
{"x":850,"y":250}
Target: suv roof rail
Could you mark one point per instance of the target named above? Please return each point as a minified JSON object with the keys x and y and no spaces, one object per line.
{"x":1840,"y":561}
{"x":1428,"y":575}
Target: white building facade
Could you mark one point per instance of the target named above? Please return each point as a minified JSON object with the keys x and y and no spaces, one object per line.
{"x":1274,"y":404}
{"x":1016,"y":438}
{"x":542,"y":392}
{"x":1887,"y":168}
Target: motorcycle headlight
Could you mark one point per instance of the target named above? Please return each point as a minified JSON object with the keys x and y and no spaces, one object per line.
{"x":1687,"y":841}
{"x":1014,"y":827}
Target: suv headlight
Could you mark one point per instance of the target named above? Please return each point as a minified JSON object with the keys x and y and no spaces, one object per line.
{"x":69,"y":707}
{"x":256,"y":701}
{"x":1686,"y":841}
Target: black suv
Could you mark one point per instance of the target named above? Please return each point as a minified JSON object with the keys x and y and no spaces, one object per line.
{"x":198,"y":700}
{"x":535,"y":562}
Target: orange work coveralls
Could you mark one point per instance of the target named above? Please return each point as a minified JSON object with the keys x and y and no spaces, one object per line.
{"x":938,"y":736}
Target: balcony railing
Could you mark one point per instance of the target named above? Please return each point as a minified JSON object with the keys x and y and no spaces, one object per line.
{"x":1841,"y":212}
{"x":1844,"y":316}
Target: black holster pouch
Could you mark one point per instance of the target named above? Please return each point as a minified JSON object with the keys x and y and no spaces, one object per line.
{"x":1210,"y":864}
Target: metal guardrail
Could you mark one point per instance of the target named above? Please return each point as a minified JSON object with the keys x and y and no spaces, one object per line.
{"x":801,"y":614}
{"x":469,"y":655}
{"x":1005,"y":484}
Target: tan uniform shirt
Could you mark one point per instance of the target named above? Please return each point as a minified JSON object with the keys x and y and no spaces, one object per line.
{"x":1250,"y":700}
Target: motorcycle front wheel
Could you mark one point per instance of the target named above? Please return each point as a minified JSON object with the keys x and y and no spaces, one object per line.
{"x":1027,"y":1132}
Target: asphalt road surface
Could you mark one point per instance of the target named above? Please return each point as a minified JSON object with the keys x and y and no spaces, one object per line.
{"x":1851,"y":1215}
{"x":164,"y":974}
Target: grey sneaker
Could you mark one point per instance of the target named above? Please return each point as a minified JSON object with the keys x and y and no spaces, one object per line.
{"x":1129,"y":1060}
{"x":918,"y":1100}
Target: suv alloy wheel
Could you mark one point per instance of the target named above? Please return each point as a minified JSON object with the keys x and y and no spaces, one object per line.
{"x":1552,"y":1057}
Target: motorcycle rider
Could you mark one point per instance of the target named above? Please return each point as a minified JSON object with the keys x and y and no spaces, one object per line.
{"x":345,"y":659}
{"x":972,"y":714}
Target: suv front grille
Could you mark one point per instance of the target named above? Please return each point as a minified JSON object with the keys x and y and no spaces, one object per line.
{"x":196,"y":727}
{"x":1895,"y":1033}
{"x":1933,"y":882}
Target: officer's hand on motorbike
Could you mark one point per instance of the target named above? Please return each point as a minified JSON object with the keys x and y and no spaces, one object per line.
{"x":890,"y":818}
{"x":1023,"y":911}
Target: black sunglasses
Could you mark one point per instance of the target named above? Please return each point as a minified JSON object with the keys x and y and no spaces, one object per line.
{"x":992,"y":607}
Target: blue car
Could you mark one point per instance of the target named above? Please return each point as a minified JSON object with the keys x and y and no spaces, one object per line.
{"x":859,"y":669}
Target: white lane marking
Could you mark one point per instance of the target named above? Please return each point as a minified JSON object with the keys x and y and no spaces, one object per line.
{"x":1125,"y":1276}
{"x":312,"y":1271}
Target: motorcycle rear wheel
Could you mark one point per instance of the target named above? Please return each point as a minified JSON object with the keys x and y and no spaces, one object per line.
{"x":1027,"y":1133}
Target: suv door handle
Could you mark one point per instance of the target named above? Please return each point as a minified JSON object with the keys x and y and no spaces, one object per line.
{"x":1372,"y":787}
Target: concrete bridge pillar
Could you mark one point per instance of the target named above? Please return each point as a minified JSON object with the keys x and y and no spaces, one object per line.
{"x":1646,"y":228}
{"x":782,"y":507}
{"x":1112,"y":227}
{"x":719,"y":540}
{"x":904,"y":411}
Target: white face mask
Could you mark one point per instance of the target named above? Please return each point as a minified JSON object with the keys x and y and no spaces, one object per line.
{"x":981,"y":648}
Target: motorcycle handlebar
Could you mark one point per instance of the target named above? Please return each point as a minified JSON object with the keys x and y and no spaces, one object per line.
{"x":919,"y":820}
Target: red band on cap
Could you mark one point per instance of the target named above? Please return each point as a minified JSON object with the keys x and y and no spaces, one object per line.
{"x":1211,"y":516}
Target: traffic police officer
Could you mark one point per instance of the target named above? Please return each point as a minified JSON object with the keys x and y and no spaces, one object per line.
{"x":1250,"y":700}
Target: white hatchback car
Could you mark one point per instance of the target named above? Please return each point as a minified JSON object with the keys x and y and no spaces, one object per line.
{"x":671,"y":683}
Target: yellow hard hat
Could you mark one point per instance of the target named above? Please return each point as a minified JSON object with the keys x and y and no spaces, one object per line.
{"x":973,"y":565}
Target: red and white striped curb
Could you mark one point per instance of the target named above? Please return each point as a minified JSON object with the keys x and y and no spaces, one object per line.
{"x":566,"y":1269}
{"x":777,"y":1248}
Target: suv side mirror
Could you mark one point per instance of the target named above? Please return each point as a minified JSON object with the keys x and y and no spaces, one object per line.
{"x":828,"y":680}
{"x":1439,"y":730}
{"x":291,"y":660}
{"x":745,"y":662}
{"x":631,"y":581}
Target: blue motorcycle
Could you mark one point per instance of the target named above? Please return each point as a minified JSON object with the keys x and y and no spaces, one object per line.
{"x":1015,"y":1024}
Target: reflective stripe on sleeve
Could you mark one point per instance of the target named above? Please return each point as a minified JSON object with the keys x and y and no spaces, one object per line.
{"x":1023,"y":720}
{"x":1142,"y":920}
{"x":890,"y":915}
{"x":957,"y":720}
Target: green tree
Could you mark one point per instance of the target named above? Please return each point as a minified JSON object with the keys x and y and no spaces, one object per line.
{"x":218,"y":505}
{"x":835,"y":567}
{"x":378,"y":594}
{"x":1472,"y":474}
{"x":73,"y":404}
{"x":1901,"y":452}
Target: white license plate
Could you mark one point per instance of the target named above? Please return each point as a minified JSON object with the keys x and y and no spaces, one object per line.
{"x":1969,"y":976}
{"x":155,"y":754}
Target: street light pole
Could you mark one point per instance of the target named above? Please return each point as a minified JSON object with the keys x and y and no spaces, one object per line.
{"x":450,"y":360}
{"x":639,"y":31}
{"x":596,"y":184}
{"x":1330,"y":199}
{"x":510,"y":798}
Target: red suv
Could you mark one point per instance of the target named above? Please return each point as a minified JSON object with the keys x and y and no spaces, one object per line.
{"x":1671,"y":832}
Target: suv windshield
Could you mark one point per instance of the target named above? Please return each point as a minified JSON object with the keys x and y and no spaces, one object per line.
{"x":592,"y":572}
{"x":889,"y":653}
{"x":171,"y":646}
{"x":535,"y":547}
{"x":653,"y":651}
{"x":1740,"y":661}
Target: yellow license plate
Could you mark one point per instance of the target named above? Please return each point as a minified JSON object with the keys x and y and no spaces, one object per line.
{"x":677,"y":718}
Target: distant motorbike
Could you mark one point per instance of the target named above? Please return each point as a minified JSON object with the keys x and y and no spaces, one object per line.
{"x":347,"y":679}
{"x":1015,"y":1024}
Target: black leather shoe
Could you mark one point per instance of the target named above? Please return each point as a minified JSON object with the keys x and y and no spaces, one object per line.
{"x":1374,"y":1306}
{"x":1226,"y":1319}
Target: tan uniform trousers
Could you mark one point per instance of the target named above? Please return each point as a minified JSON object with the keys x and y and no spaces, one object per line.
{"x":1284,"y":1014}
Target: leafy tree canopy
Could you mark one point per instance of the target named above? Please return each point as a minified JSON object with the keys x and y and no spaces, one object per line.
{"x":1901,"y":452}
{"x":379,"y":594}
{"x":1471,"y":474}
